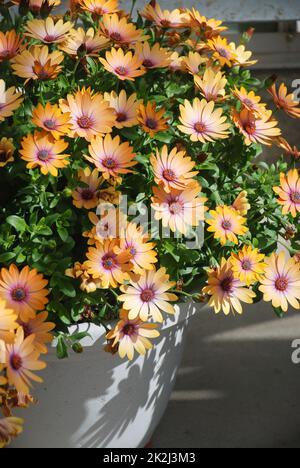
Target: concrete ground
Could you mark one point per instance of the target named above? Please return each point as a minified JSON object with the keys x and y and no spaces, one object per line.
{"x":237,"y":386}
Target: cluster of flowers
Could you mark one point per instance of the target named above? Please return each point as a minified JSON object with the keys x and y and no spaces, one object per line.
{"x":93,"y":123}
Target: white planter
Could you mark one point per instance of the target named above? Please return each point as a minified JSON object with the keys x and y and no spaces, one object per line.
{"x":95,"y":400}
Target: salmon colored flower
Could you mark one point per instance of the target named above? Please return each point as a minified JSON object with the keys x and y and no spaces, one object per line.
{"x":193,"y":62}
{"x":24,"y":291}
{"x":22,"y":359}
{"x":211,"y":85}
{"x":7,"y":150}
{"x":226,"y":224}
{"x":8,"y":323}
{"x":179,"y":210}
{"x":90,"y":114}
{"x":104,"y":263}
{"x":222,"y":51}
{"x":47,"y":30}
{"x":43,"y":151}
{"x":110,"y":156}
{"x":120,"y":31}
{"x":242,"y":57}
{"x":173,"y":170}
{"x":109,"y":225}
{"x":285,"y":101}
{"x":281,"y":281}
{"x":40,"y":328}
{"x":247,"y":265}
{"x":10,"y":100}
{"x":226,"y":291}
{"x":153,"y":57}
{"x":87,"y":282}
{"x":289,"y":149}
{"x":262,"y":129}
{"x":202,"y":121}
{"x":148,"y":296}
{"x":203,"y":26}
{"x":152,"y":120}
{"x":100,"y":7}
{"x":241,"y":203}
{"x":126,"y":108}
{"x":37,"y":63}
{"x":132,"y":335}
{"x":124,"y":66}
{"x":165,"y":18}
{"x":289,"y":192}
{"x":51,"y":119}
{"x":10,"y":428}
{"x":177,"y":62}
{"x":81,"y":43}
{"x":86,"y":196}
{"x":250,"y":101}
{"x":10,"y":44}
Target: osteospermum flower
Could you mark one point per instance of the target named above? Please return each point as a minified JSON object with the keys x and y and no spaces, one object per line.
{"x":211,"y":85}
{"x":136,"y":242}
{"x":8,"y":323}
{"x":179,"y":210}
{"x":152,"y":120}
{"x":42,"y":150}
{"x":86,"y":196}
{"x":281,"y":281}
{"x":126,"y":108}
{"x":148,"y":296}
{"x":165,"y":18}
{"x":48,"y":31}
{"x":87,"y":282}
{"x":173,"y":170}
{"x":7,"y":150}
{"x":193,"y":62}
{"x":241,"y":203}
{"x":120,"y":31}
{"x":177,"y":62}
{"x":10,"y":100}
{"x":126,"y":66}
{"x":100,"y":7}
{"x":110,"y":156}
{"x":226,"y":224}
{"x":286,"y":102}
{"x":104,"y":263}
{"x":201,"y":25}
{"x":222,"y":51}
{"x":10,"y":43}
{"x":289,"y":149}
{"x":81,"y":43}
{"x":24,"y":291}
{"x":37,"y":63}
{"x":153,"y":57}
{"x":256,"y":129}
{"x":40,"y":328}
{"x":22,"y":359}
{"x":109,"y":225}
{"x":226,"y":291}
{"x":132,"y":335}
{"x":247,"y":265}
{"x":10,"y":428}
{"x":289,"y":192}
{"x":202,"y":121}
{"x":250,"y":101}
{"x":90,"y":114}
{"x":51,"y":119}
{"x":242,"y":57}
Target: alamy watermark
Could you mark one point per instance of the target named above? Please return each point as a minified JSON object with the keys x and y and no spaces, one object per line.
{"x":296,"y":351}
{"x":296,"y":86}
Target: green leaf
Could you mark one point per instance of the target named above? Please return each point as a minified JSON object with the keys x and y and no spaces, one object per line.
{"x":18,"y":223}
{"x":6,"y":257}
{"x":61,"y":348}
{"x":63,"y":234}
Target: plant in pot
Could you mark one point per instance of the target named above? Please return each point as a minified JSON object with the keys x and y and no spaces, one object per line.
{"x":130,"y":183}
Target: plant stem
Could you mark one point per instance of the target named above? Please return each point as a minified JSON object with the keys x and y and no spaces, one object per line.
{"x":132,"y":6}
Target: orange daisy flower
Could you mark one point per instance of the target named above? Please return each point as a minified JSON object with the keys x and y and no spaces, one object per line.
{"x":285,"y":101}
{"x":201,"y":25}
{"x":241,"y":203}
{"x":289,"y":192}
{"x":119,"y":31}
{"x":291,"y":150}
{"x":8,"y":323}
{"x":110,"y":156}
{"x":174,"y":170}
{"x":10,"y":100}
{"x":148,"y":296}
{"x":222,"y":51}
{"x":100,"y":7}
{"x":226,"y":224}
{"x":22,"y":359}
{"x":152,"y":121}
{"x":226,"y":291}
{"x":86,"y":196}
{"x":211,"y":85}
{"x":7,"y":150}
{"x":193,"y":62}
{"x":40,"y":328}
{"x":24,"y":291}
{"x":153,"y":57}
{"x":126,"y":108}
{"x":104,"y":263}
{"x":165,"y":18}
{"x":247,"y":265}
{"x":250,"y":101}
{"x":256,"y":129}
{"x":202,"y":121}
{"x":242,"y":56}
{"x":10,"y":428}
{"x":124,"y":66}
{"x":110,"y":225}
{"x":10,"y":43}
{"x":81,"y":42}
{"x":37,"y":63}
{"x":132,"y":335}
{"x":177,"y":62}
{"x":51,"y":119}
{"x":90,"y":114}
{"x":179,"y":210}
{"x":47,"y":30}
{"x":43,"y":151}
